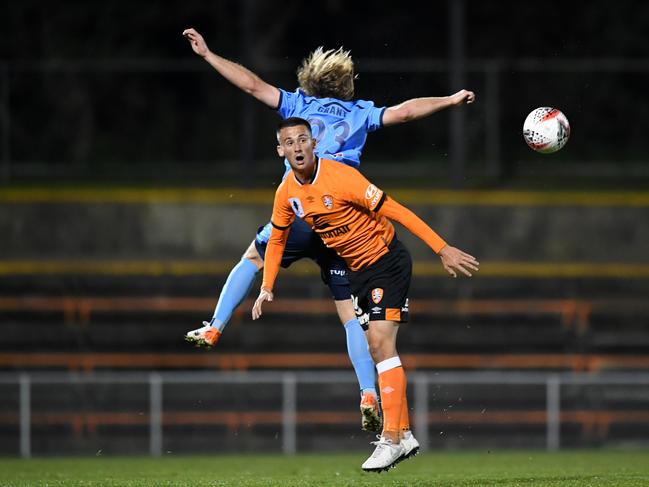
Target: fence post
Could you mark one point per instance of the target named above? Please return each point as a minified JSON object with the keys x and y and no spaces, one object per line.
{"x":155,"y":414}
{"x":289,"y":414}
{"x":421,"y":410}
{"x":25,"y":416}
{"x":457,"y":81}
{"x":553,"y":405}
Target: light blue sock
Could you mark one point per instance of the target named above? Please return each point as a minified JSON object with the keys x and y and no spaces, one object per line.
{"x":360,"y":356}
{"x":237,"y":286}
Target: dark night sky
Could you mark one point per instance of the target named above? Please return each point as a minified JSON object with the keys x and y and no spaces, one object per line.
{"x":185,"y":114}
{"x":117,"y":29}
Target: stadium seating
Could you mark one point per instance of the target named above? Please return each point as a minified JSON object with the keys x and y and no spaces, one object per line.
{"x":125,"y":304}
{"x":108,"y":328}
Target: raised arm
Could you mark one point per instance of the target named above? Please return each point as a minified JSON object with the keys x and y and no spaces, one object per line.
{"x":453,"y":259}
{"x":422,"y":107}
{"x":241,"y":77}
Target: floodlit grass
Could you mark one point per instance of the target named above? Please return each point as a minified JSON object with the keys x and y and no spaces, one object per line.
{"x":521,"y":468}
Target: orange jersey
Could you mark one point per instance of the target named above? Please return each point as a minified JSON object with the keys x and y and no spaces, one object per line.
{"x":348,"y":212}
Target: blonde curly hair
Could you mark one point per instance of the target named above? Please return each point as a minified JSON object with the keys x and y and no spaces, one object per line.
{"x":327,"y":74}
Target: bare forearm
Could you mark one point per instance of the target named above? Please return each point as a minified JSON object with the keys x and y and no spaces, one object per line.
{"x":422,"y":107}
{"x":236,"y":74}
{"x":417,"y":108}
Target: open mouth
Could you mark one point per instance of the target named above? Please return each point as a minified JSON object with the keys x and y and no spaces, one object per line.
{"x":299,"y":158}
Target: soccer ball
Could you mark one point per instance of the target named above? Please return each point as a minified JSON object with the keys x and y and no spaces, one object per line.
{"x":546,"y":130}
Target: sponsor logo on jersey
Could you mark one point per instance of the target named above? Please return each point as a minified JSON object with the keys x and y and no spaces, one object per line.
{"x":337,"y":272}
{"x":310,"y":199}
{"x":371,"y":191}
{"x":328,"y":201}
{"x":373,"y":194}
{"x":388,"y":390}
{"x":296,"y":204}
{"x":377,"y":295}
{"x":335,"y":232}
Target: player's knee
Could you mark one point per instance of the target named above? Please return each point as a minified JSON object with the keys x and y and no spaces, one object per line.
{"x":253,"y":256}
{"x":380,"y":349}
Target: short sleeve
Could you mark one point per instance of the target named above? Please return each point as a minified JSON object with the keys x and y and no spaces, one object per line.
{"x":288,"y":103}
{"x":374,"y":118}
{"x":283,"y":216}
{"x":362,"y":192}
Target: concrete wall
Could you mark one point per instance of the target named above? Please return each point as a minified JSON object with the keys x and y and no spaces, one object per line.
{"x":222,"y":231}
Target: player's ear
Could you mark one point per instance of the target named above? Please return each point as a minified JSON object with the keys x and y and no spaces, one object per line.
{"x":280,"y":150}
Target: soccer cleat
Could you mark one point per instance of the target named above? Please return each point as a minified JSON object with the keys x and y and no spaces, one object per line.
{"x":385,"y":456}
{"x":370,"y":413}
{"x":410,"y":446}
{"x":206,"y":336}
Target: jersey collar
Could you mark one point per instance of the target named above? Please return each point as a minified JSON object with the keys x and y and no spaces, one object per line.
{"x":315,"y":173}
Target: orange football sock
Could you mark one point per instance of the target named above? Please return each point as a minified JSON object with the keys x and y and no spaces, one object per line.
{"x":404,"y":419}
{"x":392,"y":383}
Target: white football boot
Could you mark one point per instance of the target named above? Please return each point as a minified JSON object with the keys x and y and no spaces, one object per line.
{"x":385,"y":456}
{"x":410,"y":446}
{"x":206,"y":336}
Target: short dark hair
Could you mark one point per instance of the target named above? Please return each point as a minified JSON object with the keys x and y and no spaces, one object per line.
{"x":292,"y":122}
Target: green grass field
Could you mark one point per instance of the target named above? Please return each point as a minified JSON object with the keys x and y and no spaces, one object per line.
{"x":520,"y":468}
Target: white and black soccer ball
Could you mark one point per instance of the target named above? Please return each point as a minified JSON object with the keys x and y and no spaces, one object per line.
{"x":546,"y":130}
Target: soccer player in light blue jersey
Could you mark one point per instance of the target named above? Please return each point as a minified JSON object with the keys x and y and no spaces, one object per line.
{"x":340,"y":125}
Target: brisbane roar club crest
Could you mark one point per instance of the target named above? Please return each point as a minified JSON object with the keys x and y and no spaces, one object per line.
{"x":377,"y":295}
{"x":328,"y":201}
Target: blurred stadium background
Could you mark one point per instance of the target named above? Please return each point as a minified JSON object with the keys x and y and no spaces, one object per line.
{"x":133,"y":177}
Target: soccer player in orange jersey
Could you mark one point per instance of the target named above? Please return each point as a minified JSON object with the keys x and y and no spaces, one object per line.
{"x":351,"y":216}
{"x":340,"y":123}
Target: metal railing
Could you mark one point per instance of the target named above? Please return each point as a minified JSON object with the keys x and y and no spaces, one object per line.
{"x":288,"y":383}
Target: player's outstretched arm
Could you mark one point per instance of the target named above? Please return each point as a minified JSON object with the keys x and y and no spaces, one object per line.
{"x":454,"y":260}
{"x":241,"y":77}
{"x":417,"y":108}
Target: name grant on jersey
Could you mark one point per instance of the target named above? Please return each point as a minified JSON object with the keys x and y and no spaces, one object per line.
{"x":332,"y":110}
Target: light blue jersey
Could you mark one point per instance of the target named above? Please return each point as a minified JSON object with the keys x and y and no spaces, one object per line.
{"x":339,"y":127}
